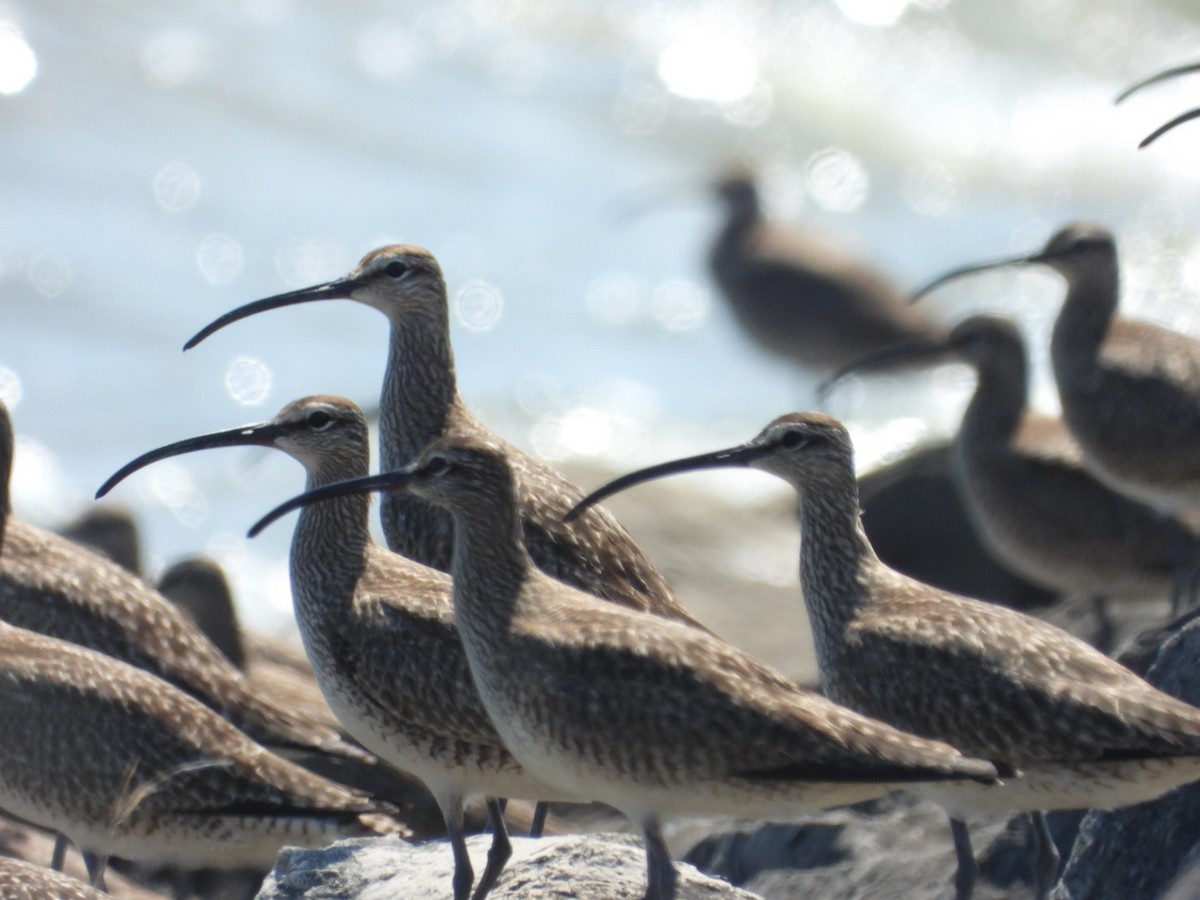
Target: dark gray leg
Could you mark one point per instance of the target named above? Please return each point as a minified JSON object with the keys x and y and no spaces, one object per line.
{"x":60,"y":852}
{"x":538,"y":825}
{"x":1046,"y":862}
{"x":464,"y":875}
{"x":1185,"y":579}
{"x":499,"y":853}
{"x":95,"y":869}
{"x":1105,"y":632}
{"x":660,"y":871}
{"x":968,"y":869}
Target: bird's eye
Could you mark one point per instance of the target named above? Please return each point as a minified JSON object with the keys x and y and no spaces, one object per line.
{"x":396,"y":268}
{"x":319,"y":420}
{"x":792,"y":439}
{"x":436,"y":465}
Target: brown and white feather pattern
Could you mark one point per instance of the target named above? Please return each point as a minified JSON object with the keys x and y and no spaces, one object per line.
{"x":991,"y":681}
{"x":379,"y":628}
{"x":20,"y":880}
{"x":55,"y":587}
{"x":420,"y":403}
{"x":644,"y":700}
{"x":121,"y":761}
{"x":60,"y":589}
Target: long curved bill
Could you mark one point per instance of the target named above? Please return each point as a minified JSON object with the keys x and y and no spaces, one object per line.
{"x":734,"y":457}
{"x":333,"y":290}
{"x":262,"y":434}
{"x":954,"y":274}
{"x":1165,"y":75}
{"x":1163,"y":129}
{"x":398,"y":480}
{"x":883,"y":359}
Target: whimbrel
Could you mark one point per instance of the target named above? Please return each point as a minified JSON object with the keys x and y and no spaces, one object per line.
{"x":124,"y":764}
{"x":1130,"y":390}
{"x":1165,"y":75}
{"x":420,"y":402}
{"x":280,"y":670}
{"x":799,"y":297}
{"x":58,"y":588}
{"x":646,"y":714}
{"x":380,"y":631}
{"x":1022,"y":478}
{"x":111,"y":532}
{"x":1082,"y":730}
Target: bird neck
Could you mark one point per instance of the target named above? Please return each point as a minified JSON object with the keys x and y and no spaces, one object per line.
{"x":329,"y":550}
{"x":419,"y":403}
{"x":836,"y":560}
{"x":741,"y":221}
{"x":996,"y":408}
{"x":419,"y":390}
{"x":490,"y":565}
{"x":1086,"y":315}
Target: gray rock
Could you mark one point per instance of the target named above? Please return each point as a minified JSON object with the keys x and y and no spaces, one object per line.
{"x":894,"y":847}
{"x":1152,"y":849}
{"x":587,"y":867}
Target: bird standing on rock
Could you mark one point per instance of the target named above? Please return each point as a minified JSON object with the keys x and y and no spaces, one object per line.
{"x":648,"y":715}
{"x":1080,"y":729}
{"x":381,"y":634}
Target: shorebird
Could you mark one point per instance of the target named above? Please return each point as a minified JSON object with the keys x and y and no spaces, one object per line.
{"x":111,"y":532}
{"x":1130,"y":390}
{"x":420,"y":402}
{"x":799,"y":297}
{"x":55,"y":587}
{"x":646,"y":714}
{"x":198,"y":586}
{"x":1022,"y":478}
{"x":20,"y":880}
{"x":380,"y":632}
{"x":1082,"y":730}
{"x":282,"y":671}
{"x":1165,"y":75}
{"x":123,"y":764}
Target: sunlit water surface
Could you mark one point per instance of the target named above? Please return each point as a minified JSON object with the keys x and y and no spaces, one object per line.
{"x":162,"y":163}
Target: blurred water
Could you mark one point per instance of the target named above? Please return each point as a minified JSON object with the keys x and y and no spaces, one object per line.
{"x":162,"y":163}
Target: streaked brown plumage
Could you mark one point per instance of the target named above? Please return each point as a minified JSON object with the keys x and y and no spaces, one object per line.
{"x":24,"y":881}
{"x":58,"y":588}
{"x":124,"y":764}
{"x":1082,"y":729}
{"x":1130,"y":390}
{"x":420,"y":402}
{"x":1022,"y":478}
{"x":380,"y":631}
{"x":281,"y":671}
{"x":799,"y":297}
{"x":649,"y":715}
